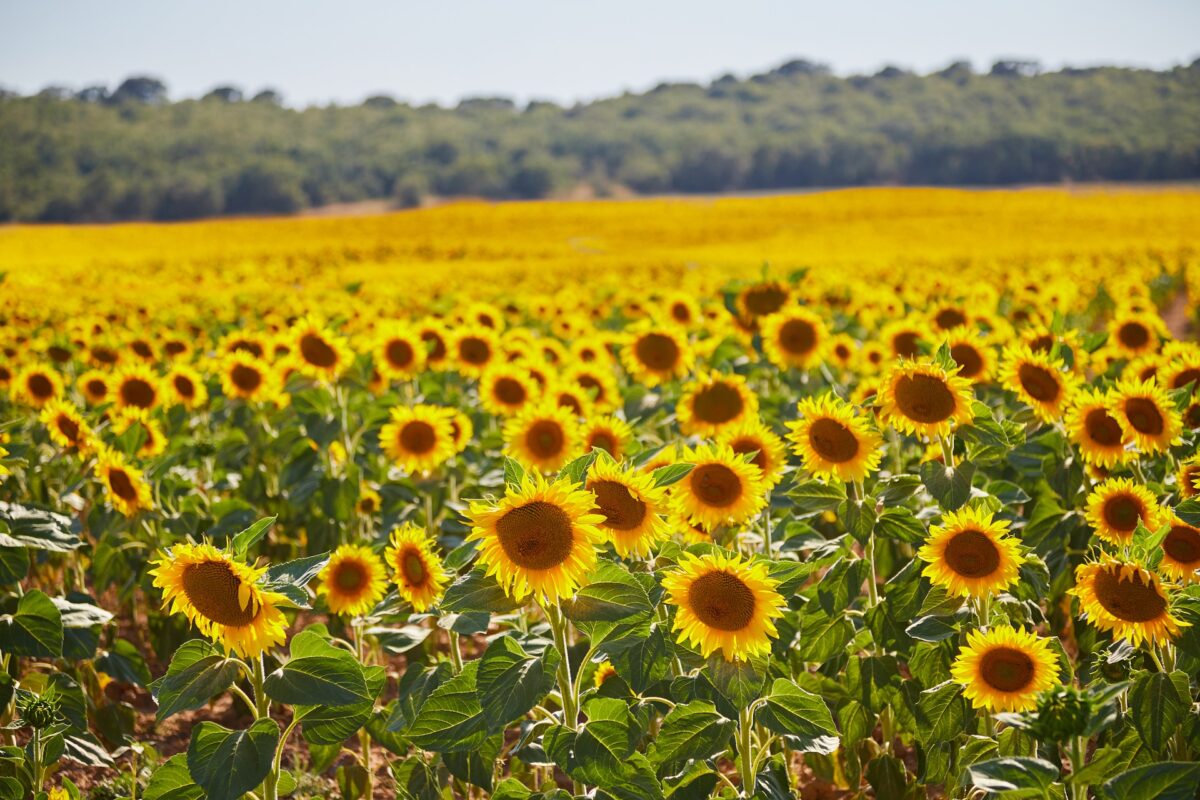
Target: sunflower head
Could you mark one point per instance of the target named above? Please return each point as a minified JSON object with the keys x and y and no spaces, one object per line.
{"x":419,"y":438}
{"x":610,"y":434}
{"x":971,"y":554}
{"x":724,"y":603}
{"x":657,"y":353}
{"x":1147,"y":415}
{"x":544,"y":437}
{"x":540,"y":539}
{"x":714,"y":402}
{"x":833,"y":441}
{"x":794,"y":337}
{"x":925,"y":398}
{"x":721,"y":488}
{"x":972,"y":354}
{"x":66,"y":426}
{"x":38,"y":385}
{"x":1005,"y":668}
{"x":222,"y":597}
{"x":1117,"y":506}
{"x":399,"y":352}
{"x":1124,"y":598}
{"x":96,"y":386}
{"x":126,"y":489}
{"x":1040,"y":381}
{"x":353,"y":580}
{"x":505,"y":389}
{"x":1188,"y":477}
{"x":1098,"y":434}
{"x":318,"y":352}
{"x":474,"y":349}
{"x":632,"y":506}
{"x":136,"y":386}
{"x":1181,"y":552}
{"x":186,"y":387}
{"x":416,"y":569}
{"x":247,"y":377}
{"x":752,"y":437}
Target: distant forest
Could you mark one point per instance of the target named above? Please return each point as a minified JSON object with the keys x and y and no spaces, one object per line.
{"x":130,"y":152}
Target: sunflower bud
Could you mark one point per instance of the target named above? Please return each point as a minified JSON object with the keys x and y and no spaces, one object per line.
{"x":39,"y":713}
{"x":1062,"y":714}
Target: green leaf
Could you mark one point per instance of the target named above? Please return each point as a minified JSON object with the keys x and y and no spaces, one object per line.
{"x":197,"y":672}
{"x":672,"y":473}
{"x":228,"y":763}
{"x":476,"y":591}
{"x":242,"y":542}
{"x":172,"y":781}
{"x":1016,"y":777}
{"x":1158,"y":703}
{"x":22,"y":526}
{"x":813,"y":496}
{"x":1168,"y":780}
{"x":942,"y":713}
{"x":298,"y":572}
{"x":692,"y":730}
{"x":35,"y":629}
{"x":324,"y":725}
{"x":575,"y":470}
{"x":899,"y":523}
{"x":514,"y":473}
{"x":950,"y":486}
{"x":930,"y":628}
{"x":1189,"y":511}
{"x":605,"y":741}
{"x":801,"y":717}
{"x":317,"y":674}
{"x":510,"y":681}
{"x":451,"y":718}
{"x":14,"y":565}
{"x":612,"y":593}
{"x":887,"y":776}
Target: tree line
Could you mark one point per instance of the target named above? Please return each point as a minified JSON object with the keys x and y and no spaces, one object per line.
{"x":131,"y":152}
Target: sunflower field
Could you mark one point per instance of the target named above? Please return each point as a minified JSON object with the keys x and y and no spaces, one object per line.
{"x":869,"y":494}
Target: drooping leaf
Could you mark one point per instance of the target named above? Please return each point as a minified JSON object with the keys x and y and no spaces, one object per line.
{"x":227,"y":763}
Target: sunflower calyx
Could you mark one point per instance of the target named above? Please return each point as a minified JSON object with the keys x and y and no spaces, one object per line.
{"x":1062,"y":714}
{"x":39,"y":713}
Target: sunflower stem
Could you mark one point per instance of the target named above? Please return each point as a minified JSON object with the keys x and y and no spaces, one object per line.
{"x":262,"y":710}
{"x":566,"y":687}
{"x":947,"y":443}
{"x":1078,"y":790}
{"x":745,"y":750}
{"x":456,"y":662}
{"x":364,"y":738}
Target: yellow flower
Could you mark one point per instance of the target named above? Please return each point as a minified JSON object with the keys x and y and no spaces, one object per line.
{"x":833,"y":441}
{"x":1146,"y":414}
{"x":608,"y":433}
{"x":1181,"y":552}
{"x":37,"y":385}
{"x":1123,"y":598}
{"x":1005,"y":668}
{"x":126,"y":489}
{"x":632,"y":506}
{"x":186,"y":386}
{"x":67,"y":428}
{"x":971,"y":554}
{"x":1097,"y":432}
{"x":353,"y":580}
{"x":793,"y":337}
{"x":137,"y":386}
{"x":753,"y":436}
{"x":925,"y":399}
{"x":543,"y":437}
{"x":713,"y":402}
{"x":505,"y":389}
{"x":318,"y":353}
{"x":247,"y":377}
{"x":416,"y":569}
{"x":474,"y":348}
{"x":1115,"y":507}
{"x":1039,"y":381}
{"x":721,"y":488}
{"x":419,"y":438}
{"x":656,"y":353}
{"x":399,"y":351}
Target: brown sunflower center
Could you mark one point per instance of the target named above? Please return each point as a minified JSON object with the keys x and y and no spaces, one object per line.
{"x":570,"y":402}
{"x":622,"y":511}
{"x":972,"y":554}
{"x":184,"y":386}
{"x":797,"y":336}
{"x":1192,"y":416}
{"x":213,"y":588}
{"x":717,"y":404}
{"x":68,"y":427}
{"x":924,"y":398}
{"x":1006,"y":669}
{"x":418,"y":437}
{"x":1128,"y":599}
{"x":537,"y":535}
{"x":137,"y":392}
{"x":97,"y":388}
{"x":1134,"y":335}
{"x":1102,"y":428}
{"x":968,"y":358}
{"x":681,"y":313}
{"x":949,"y":318}
{"x":141,"y":348}
{"x":1122,"y":513}
{"x":318,"y":352}
{"x":58,"y":353}
{"x":174,"y":347}
{"x":246,"y":346}
{"x":122,"y":484}
{"x":349,"y":576}
{"x":545,"y":438}
{"x":104,"y":355}
{"x":832,"y":440}
{"x":510,"y":391}
{"x":436,"y":345}
{"x":1183,"y":544}
{"x":657,"y":351}
{"x":604,"y":441}
{"x":245,"y":377}
{"x":399,"y":353}
{"x":906,"y":344}
{"x":716,"y":485}
{"x":474,"y":350}
{"x":1040,"y":383}
{"x":1189,"y":375}
{"x":413,"y":567}
{"x":1144,"y":416}
{"x":766,"y":299}
{"x":746,"y":445}
{"x":722,"y":601}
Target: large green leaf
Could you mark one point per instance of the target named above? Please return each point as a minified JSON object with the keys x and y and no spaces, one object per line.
{"x":22,"y":526}
{"x":692,"y":730}
{"x":475,"y":591}
{"x":336,"y":724}
{"x":34,"y":629}
{"x":172,"y":781}
{"x":942,"y":713}
{"x":612,"y":593}
{"x":317,"y":673}
{"x":1014,"y":777}
{"x":1167,"y":780}
{"x":451,"y":718}
{"x":243,"y":541}
{"x":228,"y":763}
{"x":197,"y":672}
{"x":510,"y":681}
{"x":950,"y":486}
{"x":801,"y":717}
{"x":1158,"y":702}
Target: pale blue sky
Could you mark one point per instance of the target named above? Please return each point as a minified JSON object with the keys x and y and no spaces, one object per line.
{"x":317,"y":52}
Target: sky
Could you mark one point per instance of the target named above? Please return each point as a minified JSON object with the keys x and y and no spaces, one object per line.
{"x":562,"y":50}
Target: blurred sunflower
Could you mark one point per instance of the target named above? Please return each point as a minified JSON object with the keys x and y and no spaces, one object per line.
{"x":971,"y":554}
{"x":543,"y":437}
{"x":416,"y":568}
{"x":608,"y":433}
{"x":713,"y":402}
{"x":1038,"y":380}
{"x":436,"y":340}
{"x":539,"y":539}
{"x":762,"y":299}
{"x":66,"y":426}
{"x":972,"y":354}
{"x":1181,"y":552}
{"x":244,"y":376}
{"x":793,"y":337}
{"x":124,"y":486}
{"x":632,"y":507}
{"x":318,"y":352}
{"x":222,"y":597}
{"x":399,"y":352}
{"x":369,"y":502}
{"x":95,"y":386}
{"x":1098,"y":434}
{"x":1116,"y":506}
{"x":1125,"y":599}
{"x":461,"y":429}
{"x":419,"y":438}
{"x":1133,"y":334}
{"x":353,"y":580}
{"x":136,"y":386}
{"x":833,"y":441}
{"x":1005,"y":668}
{"x":505,"y":389}
{"x":604,"y":671}
{"x":1188,"y":477}
{"x":724,"y":603}
{"x":474,"y":349}
{"x":924,"y":398}
{"x":186,"y":387}
{"x":153,"y":441}
{"x":656,"y":353}
{"x":1146,"y":414}
{"x":722,"y":487}
{"x":37,"y":385}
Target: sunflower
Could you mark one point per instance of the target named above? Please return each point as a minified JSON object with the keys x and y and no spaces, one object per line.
{"x":353,"y":580}
{"x":436,"y":339}
{"x":419,"y":438}
{"x":682,"y":308}
{"x":657,"y":353}
{"x":1133,"y":334}
{"x":222,"y":597}
{"x":66,"y":426}
{"x":540,"y":539}
{"x":474,"y":349}
{"x":1146,"y":414}
{"x":724,"y":603}
{"x":38,"y":385}
{"x":543,"y":436}
{"x":242,"y":342}
{"x":872,"y":357}
{"x":124,"y":485}
{"x":762,"y":299}
{"x":793,"y":337}
{"x":1098,"y":434}
{"x":597,"y":382}
{"x":246,"y":377}
{"x":1005,"y":668}
{"x":604,"y":671}
{"x":949,"y":316}
{"x":833,"y":441}
{"x":971,"y":554}
{"x":1123,"y":598}
{"x":924,"y":398}
{"x":1115,"y":507}
{"x":590,"y":349}
{"x":369,"y":502}
{"x":186,"y":387}
{"x":399,"y":352}
{"x":1188,"y":477}
{"x":1182,"y":370}
{"x":721,"y":488}
{"x":461,"y":430}
{"x":416,"y":569}
{"x":136,"y":386}
{"x":753,"y":436}
{"x":1039,"y":381}
{"x":632,"y":506}
{"x":903,"y":338}
{"x":95,"y":386}
{"x":319,"y":353}
{"x":690,"y":532}
{"x":842,"y":350}
{"x":973,"y":356}
{"x":1181,"y":552}
{"x":154,"y":442}
{"x":571,"y":397}
{"x":610,"y":434}
{"x":505,"y":389}
{"x":713,"y":402}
